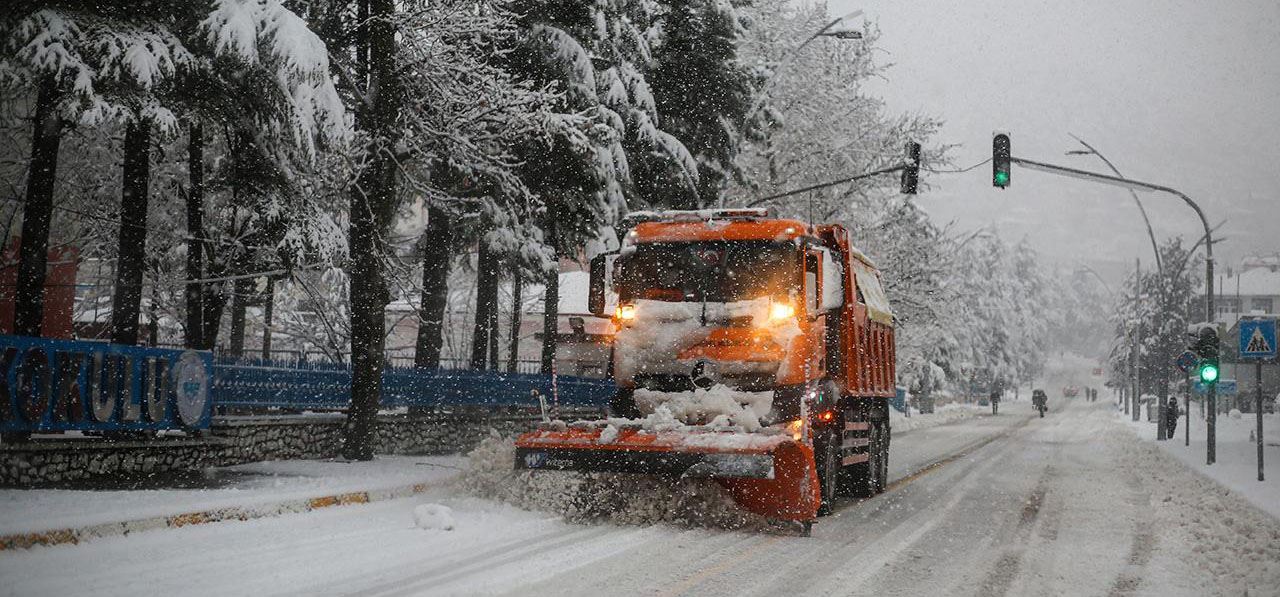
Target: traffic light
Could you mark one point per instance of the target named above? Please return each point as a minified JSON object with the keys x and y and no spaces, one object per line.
{"x":911,"y":174}
{"x":1206,"y":348}
{"x":1000,"y":156}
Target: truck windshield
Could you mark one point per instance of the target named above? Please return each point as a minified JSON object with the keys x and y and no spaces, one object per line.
{"x":721,"y":271}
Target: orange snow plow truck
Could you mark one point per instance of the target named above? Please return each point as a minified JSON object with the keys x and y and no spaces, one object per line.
{"x":753,"y":350}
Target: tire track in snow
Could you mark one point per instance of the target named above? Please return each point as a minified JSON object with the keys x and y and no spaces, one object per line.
{"x":853,"y":559}
{"x":482,"y":562}
{"x":1143,"y":544}
{"x":1000,"y":578}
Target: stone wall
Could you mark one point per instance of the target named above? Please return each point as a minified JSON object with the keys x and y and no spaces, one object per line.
{"x":242,"y":439}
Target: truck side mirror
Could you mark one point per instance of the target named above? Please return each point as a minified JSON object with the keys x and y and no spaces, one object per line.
{"x":597,"y":301}
{"x":812,"y":275}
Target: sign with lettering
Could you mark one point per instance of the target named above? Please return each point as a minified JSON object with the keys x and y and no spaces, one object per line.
{"x":63,"y":385}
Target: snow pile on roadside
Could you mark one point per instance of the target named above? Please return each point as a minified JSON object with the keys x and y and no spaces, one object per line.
{"x":613,"y":498}
{"x":717,"y":406}
{"x":1223,"y":535}
{"x":433,"y":516}
{"x":943,"y":414}
{"x":1237,"y":453}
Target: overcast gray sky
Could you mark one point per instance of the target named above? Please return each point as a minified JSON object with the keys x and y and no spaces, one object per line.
{"x":1178,"y":92}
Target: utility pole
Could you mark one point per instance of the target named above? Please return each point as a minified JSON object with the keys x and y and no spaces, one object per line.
{"x":1136,"y":355}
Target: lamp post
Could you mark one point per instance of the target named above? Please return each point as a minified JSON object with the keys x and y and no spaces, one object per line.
{"x":1162,"y":387}
{"x":791,"y":56}
{"x":1211,"y":392}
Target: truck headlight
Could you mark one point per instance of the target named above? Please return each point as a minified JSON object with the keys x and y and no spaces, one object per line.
{"x":625,"y":314}
{"x":779,"y":311}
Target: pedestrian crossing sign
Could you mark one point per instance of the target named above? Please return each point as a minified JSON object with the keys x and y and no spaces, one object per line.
{"x":1257,"y":338}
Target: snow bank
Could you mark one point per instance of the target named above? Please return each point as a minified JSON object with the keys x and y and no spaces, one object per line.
{"x":1237,"y":545}
{"x":942,"y":414}
{"x":433,"y":517}
{"x":590,"y":497}
{"x":1237,"y":453}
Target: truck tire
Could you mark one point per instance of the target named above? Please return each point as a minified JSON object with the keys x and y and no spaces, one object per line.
{"x":827,"y":458}
{"x":881,"y":455}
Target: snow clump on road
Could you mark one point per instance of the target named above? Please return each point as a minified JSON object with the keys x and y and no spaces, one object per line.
{"x":601,"y":497}
{"x":433,"y":516}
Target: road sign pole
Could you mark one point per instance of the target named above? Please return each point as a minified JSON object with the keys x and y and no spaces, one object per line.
{"x":1187,"y":408}
{"x":1258,"y":340}
{"x":1258,"y":406}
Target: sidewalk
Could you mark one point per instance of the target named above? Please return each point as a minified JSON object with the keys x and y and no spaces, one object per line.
{"x":54,"y":516}
{"x":1237,"y":455}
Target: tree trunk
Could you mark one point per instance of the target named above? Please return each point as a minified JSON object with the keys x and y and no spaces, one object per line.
{"x":372,"y":208}
{"x":214,"y":297}
{"x":550,"y":317}
{"x":267,"y":312}
{"x":513,"y":350}
{"x":240,"y":292}
{"x":484,"y":335}
{"x":127,"y":301}
{"x":153,"y":313}
{"x":195,"y":238}
{"x":436,"y":258}
{"x":34,"y":253}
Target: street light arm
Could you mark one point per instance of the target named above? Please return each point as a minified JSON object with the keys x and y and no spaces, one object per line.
{"x":1141,"y":186}
{"x":1155,"y":247}
{"x":788,"y":59}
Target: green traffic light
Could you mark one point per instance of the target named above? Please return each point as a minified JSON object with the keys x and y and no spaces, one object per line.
{"x":1209,"y":373}
{"x":1002,"y":178}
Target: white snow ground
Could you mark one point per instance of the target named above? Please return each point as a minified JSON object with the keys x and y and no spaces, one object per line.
{"x":248,"y":485}
{"x":1236,"y":463}
{"x":1073,"y":504}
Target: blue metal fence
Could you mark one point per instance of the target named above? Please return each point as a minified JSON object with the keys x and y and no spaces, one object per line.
{"x":313,"y":386}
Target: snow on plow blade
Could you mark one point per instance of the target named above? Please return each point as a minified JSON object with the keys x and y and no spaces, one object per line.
{"x":770,"y":475}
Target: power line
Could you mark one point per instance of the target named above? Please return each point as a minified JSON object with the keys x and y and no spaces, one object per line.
{"x":986,"y":161}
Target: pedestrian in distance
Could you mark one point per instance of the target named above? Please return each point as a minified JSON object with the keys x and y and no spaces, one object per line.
{"x":1171,"y":417}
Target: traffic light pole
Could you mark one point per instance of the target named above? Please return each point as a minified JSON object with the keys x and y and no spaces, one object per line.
{"x":1211,"y":390}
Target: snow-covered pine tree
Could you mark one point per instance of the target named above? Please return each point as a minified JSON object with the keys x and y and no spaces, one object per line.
{"x":702,"y":91}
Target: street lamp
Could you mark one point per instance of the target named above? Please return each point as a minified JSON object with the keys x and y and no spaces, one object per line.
{"x":1155,"y":247}
{"x":1209,"y":313}
{"x":827,"y":31}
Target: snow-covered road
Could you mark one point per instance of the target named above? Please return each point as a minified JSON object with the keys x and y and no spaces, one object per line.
{"x":1072,"y":504}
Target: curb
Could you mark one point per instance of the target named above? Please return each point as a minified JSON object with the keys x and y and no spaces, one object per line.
{"x":232,"y":513}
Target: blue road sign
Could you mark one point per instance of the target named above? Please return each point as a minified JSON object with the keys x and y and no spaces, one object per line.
{"x":1257,"y":338}
{"x":1226,"y":387}
{"x":1186,"y":361}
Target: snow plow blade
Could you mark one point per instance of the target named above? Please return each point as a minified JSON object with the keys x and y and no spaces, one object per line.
{"x":770,"y":475}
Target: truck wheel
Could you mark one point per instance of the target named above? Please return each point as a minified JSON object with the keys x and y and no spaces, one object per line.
{"x":827,"y":458}
{"x":858,"y":480}
{"x":881,"y":457}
